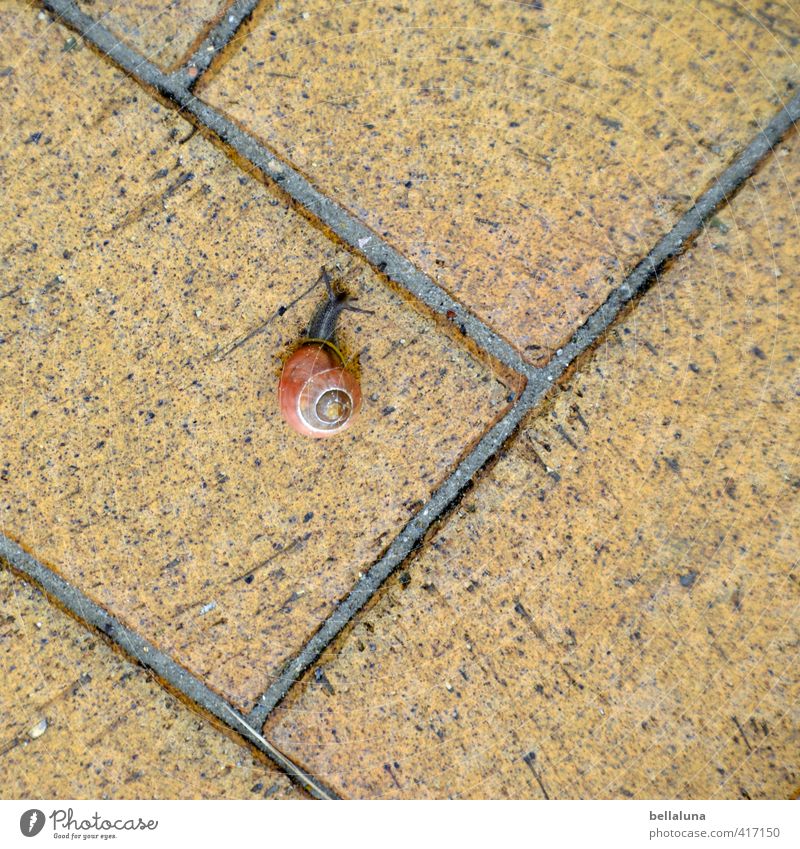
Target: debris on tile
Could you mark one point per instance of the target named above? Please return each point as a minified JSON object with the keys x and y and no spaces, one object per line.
{"x":38,"y":729}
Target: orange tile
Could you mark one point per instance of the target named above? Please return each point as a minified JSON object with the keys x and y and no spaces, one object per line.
{"x":145,"y":457}
{"x":81,"y":722}
{"x":524,"y":155}
{"x":612,"y":612}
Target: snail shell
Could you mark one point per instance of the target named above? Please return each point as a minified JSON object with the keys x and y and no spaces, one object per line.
{"x":318,"y":396}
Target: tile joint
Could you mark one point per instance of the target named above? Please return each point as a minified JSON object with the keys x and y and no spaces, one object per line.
{"x":217,"y":38}
{"x":394,"y":265}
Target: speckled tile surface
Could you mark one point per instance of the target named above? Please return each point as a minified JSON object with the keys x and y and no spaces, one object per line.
{"x":525,"y":155}
{"x":613,"y":610}
{"x":144,"y":458}
{"x":81,"y":722}
{"x":163,"y":31}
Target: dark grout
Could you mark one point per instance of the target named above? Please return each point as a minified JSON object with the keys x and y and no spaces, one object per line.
{"x":215,"y":41}
{"x":724,"y":188}
{"x":148,"y":655}
{"x":401,"y":271}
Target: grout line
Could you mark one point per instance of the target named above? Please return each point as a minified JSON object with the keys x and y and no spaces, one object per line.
{"x":399,"y":269}
{"x":378,"y":253}
{"x":215,"y":41}
{"x":401,"y":547}
{"x":67,"y":13}
{"x":149,"y":656}
{"x":725,"y":186}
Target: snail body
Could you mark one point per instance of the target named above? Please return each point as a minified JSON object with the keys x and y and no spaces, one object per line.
{"x":318,"y":396}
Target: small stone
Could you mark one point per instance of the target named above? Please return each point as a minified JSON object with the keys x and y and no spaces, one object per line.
{"x":38,"y":729}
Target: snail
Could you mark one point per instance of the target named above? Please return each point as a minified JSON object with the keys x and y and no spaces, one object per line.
{"x":317,"y":394}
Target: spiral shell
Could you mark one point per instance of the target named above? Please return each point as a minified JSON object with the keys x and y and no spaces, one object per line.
{"x":318,"y":396}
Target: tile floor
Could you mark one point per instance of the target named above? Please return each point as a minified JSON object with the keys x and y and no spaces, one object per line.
{"x":611,"y":607}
